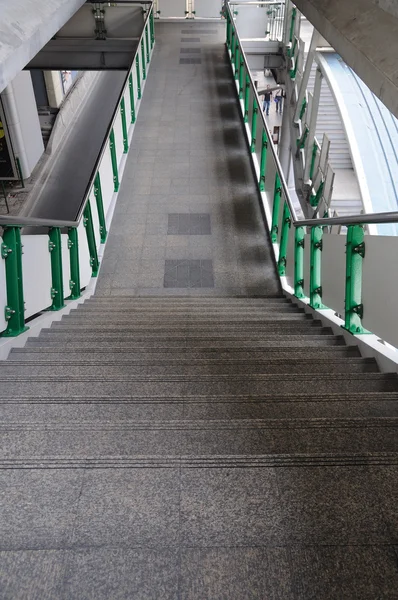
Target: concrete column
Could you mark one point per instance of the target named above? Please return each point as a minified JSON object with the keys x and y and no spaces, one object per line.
{"x":23,"y":121}
{"x":55,"y":91}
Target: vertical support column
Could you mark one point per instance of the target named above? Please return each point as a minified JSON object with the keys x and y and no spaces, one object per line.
{"x":247,"y":98}
{"x":263,"y":161}
{"x":73,"y":245}
{"x":275,"y":209}
{"x":355,"y":253}
{"x":57,"y":290}
{"x":237,"y":61}
{"x":114,"y":160}
{"x":11,"y":251}
{"x":124,"y":126}
{"x":138,"y":71}
{"x":286,"y":224}
{"x":241,"y":77}
{"x":254,"y":125}
{"x":315,"y":267}
{"x":88,"y":224}
{"x":132,"y":99}
{"x":143,"y":59}
{"x":147,"y":43}
{"x":299,"y":242}
{"x":100,"y":207}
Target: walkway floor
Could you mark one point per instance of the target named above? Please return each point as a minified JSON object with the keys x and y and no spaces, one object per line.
{"x":188,"y":218}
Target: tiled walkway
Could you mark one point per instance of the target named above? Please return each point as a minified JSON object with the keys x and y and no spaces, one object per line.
{"x":188,"y":219}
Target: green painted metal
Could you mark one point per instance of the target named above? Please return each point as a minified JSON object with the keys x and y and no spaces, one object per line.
{"x":92,"y":247}
{"x":237,"y":61}
{"x":275,"y":209}
{"x":294,"y":12}
{"x":301,"y":141}
{"x":303,"y":107}
{"x":73,"y":245}
{"x":57,"y":290}
{"x":263,"y":160}
{"x":299,"y":242}
{"x":233,"y":45}
{"x":247,"y":98}
{"x":355,"y":253}
{"x":124,"y":126}
{"x":11,"y":251}
{"x":132,"y":99}
{"x":143,"y":59}
{"x":285,"y":228}
{"x":315,"y":268}
{"x":100,"y":207}
{"x":114,"y":161}
{"x":241,"y":77}
{"x":254,"y":125}
{"x":313,"y":157}
{"x":138,"y":71}
{"x":228,"y":41}
{"x":147,"y":43}
{"x":152,"y":25}
{"x":316,"y":198}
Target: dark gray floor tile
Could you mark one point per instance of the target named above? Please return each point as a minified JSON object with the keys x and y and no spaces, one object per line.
{"x":189,"y":224}
{"x":122,"y":574}
{"x":186,"y":273}
{"x":229,"y":507}
{"x":38,"y":507}
{"x":336,"y":572}
{"x":244,"y":573}
{"x":137,"y":507}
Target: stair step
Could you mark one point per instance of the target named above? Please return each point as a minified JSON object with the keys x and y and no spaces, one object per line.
{"x":182,"y":354}
{"x":186,"y":386}
{"x":196,"y":311}
{"x":180,"y":320}
{"x":126,"y":370}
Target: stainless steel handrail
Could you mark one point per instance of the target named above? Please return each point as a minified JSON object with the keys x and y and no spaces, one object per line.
{"x":366,"y":219}
{"x":38,"y":222}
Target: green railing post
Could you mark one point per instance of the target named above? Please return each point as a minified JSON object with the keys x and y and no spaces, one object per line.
{"x":233,"y":45}
{"x":100,"y":207}
{"x":299,"y":262}
{"x":143,"y":59}
{"x":137,"y":69}
{"x":132,"y":100}
{"x":124,"y":126}
{"x":294,"y":11}
{"x":285,"y":228}
{"x":73,"y":245}
{"x":11,"y":251}
{"x":247,"y":98}
{"x":114,"y":160}
{"x":88,"y":224}
{"x":147,"y":43}
{"x":254,"y":125}
{"x":237,"y":61}
{"x":315,"y":267}
{"x":263,"y":161}
{"x":355,"y":253}
{"x":313,"y":157}
{"x":228,"y":32}
{"x":241,"y":77}
{"x":57,"y":290}
{"x":152,"y":25}
{"x":275,"y":209}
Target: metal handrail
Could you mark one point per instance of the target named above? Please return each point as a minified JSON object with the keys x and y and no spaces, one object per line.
{"x":38,"y":222}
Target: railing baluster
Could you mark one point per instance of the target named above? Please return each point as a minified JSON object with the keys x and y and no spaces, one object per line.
{"x":143,"y":59}
{"x":11,"y":251}
{"x":241,"y":77}
{"x":100,"y":207}
{"x":57,"y":290}
{"x":88,"y":224}
{"x":316,"y":268}
{"x":114,"y":160}
{"x":73,"y":245}
{"x":124,"y":126}
{"x":285,"y":228}
{"x":132,"y":99}
{"x":138,"y":71}
{"x":355,"y":253}
{"x":275,"y":209}
{"x":254,"y":125}
{"x":299,"y":262}
{"x":263,"y":161}
{"x":247,"y":98}
{"x":237,"y":61}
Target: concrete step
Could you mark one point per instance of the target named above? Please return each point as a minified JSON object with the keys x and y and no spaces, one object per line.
{"x":180,"y":320}
{"x":127,"y":356}
{"x":192,"y":385}
{"x":117,"y":369}
{"x":188,"y":311}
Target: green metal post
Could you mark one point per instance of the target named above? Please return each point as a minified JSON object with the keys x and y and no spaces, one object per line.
{"x":355,"y":253}
{"x":152,"y":24}
{"x":254,"y":125}
{"x":303,"y":107}
{"x":100,"y":207}
{"x":233,"y":46}
{"x":143,"y":59}
{"x":124,"y":126}
{"x":247,"y":98}
{"x":275,"y":209}
{"x":147,"y":43}
{"x":228,"y":32}
{"x":132,"y":100}
{"x":315,"y":267}
{"x":114,"y":160}
{"x":88,"y":224}
{"x":285,"y":228}
{"x":137,"y":68}
{"x":57,"y":290}
{"x":263,"y":161}
{"x":294,"y":11}
{"x":299,"y":262}
{"x":73,"y":245}
{"x":314,"y":152}
{"x":241,"y":77}
{"x":237,"y":61}
{"x":11,"y":251}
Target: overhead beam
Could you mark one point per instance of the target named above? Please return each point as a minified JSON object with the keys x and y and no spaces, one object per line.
{"x":365,"y":36}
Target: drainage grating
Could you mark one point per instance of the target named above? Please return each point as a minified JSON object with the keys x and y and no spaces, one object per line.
{"x":190,"y":50}
{"x":190,"y":61}
{"x":190,"y":39}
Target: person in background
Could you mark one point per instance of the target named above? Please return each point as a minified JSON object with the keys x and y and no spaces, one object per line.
{"x":267,"y":100}
{"x":278,"y":101}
